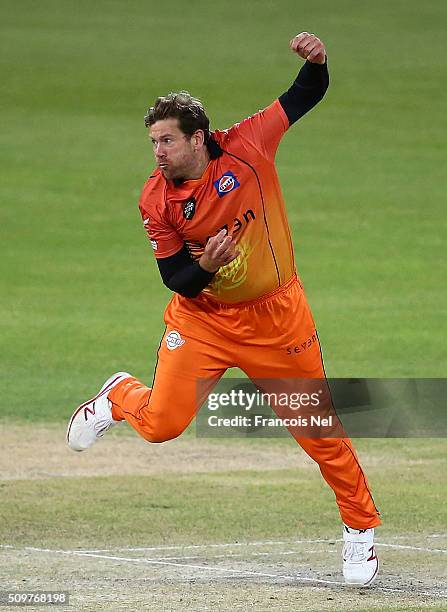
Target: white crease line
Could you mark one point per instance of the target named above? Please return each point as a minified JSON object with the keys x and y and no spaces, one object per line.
{"x":239,"y":544}
{"x":229,"y":571}
{"x":263,"y":543}
{"x":420,"y":548}
{"x":223,"y":545}
{"x":288,"y":552}
{"x":254,"y":554}
{"x":236,"y":544}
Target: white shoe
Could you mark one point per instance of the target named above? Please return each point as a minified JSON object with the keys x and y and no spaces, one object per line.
{"x":93,"y":418}
{"x":360,"y":562}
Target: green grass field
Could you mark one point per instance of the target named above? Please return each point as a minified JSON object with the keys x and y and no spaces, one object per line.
{"x":362,"y":176}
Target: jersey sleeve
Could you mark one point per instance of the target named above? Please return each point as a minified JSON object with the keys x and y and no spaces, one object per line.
{"x":164,"y":239}
{"x":262,"y":131}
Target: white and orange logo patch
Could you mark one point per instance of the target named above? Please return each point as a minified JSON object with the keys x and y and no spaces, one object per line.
{"x":174,"y":340}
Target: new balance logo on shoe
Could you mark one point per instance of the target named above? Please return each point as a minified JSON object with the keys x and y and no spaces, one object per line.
{"x":89,"y":409}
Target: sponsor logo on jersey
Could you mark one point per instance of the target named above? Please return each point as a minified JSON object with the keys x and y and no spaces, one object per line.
{"x":174,"y":340}
{"x":189,"y":208}
{"x":225,"y":184}
{"x":154,"y":244}
{"x":234,"y":273}
{"x":300,"y":348}
{"x":236,"y":226}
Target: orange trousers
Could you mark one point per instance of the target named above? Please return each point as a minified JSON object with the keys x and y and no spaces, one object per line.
{"x":203,"y":339}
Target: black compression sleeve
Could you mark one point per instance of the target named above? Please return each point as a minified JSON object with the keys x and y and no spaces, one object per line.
{"x":180,"y":273}
{"x":306,"y":91}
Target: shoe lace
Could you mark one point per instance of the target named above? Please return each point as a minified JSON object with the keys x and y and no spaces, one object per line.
{"x":355,"y":552}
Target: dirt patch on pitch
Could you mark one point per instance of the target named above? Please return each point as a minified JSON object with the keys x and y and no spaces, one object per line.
{"x":30,"y":451}
{"x":37,"y":451}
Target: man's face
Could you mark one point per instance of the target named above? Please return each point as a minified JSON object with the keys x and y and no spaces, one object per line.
{"x":173,"y":150}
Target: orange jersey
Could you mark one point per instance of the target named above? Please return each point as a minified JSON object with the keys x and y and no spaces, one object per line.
{"x":238,"y":191}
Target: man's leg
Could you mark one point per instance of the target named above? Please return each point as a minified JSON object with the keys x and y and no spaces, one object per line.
{"x":190,"y":362}
{"x":164,"y":411}
{"x":293,"y":352}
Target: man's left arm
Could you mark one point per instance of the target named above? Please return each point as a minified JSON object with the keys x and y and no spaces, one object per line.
{"x":264,"y":130}
{"x":312,"y":81}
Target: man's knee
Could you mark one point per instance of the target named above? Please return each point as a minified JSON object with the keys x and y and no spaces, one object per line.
{"x":162,"y":431}
{"x":156,"y":437}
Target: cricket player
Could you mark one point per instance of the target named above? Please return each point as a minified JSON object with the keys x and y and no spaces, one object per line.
{"x":216,"y":219}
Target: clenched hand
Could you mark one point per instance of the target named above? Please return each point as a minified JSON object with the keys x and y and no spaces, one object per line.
{"x":219,"y":251}
{"x":309,"y":47}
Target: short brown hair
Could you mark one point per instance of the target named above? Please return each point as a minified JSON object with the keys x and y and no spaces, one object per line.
{"x":182,"y":106}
